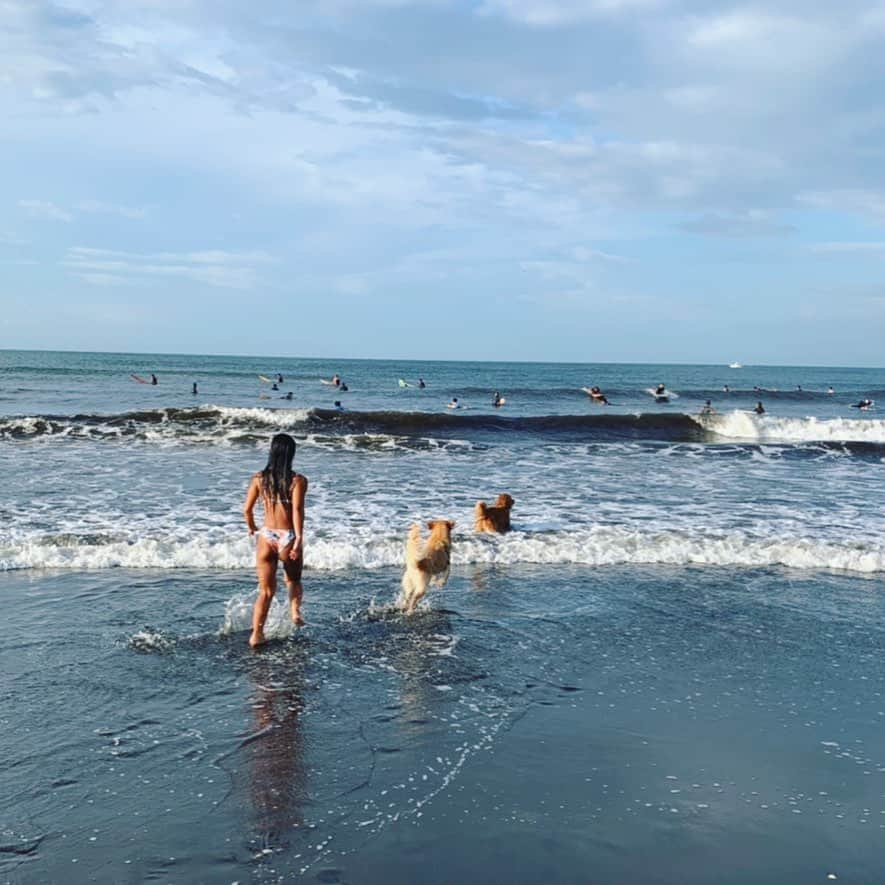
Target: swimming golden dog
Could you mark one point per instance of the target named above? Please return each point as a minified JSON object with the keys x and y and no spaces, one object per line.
{"x":496,"y":519}
{"x":426,"y":561}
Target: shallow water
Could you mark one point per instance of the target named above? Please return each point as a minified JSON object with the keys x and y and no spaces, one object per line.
{"x":531,"y":724}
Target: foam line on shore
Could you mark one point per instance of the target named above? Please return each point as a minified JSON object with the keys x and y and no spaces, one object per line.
{"x":596,"y":546}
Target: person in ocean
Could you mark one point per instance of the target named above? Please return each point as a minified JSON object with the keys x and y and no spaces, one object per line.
{"x":274,"y":386}
{"x":726,"y":389}
{"x":660,"y":390}
{"x":343,"y":387}
{"x":279,"y":378}
{"x":421,"y":383}
{"x":760,"y":409}
{"x":453,"y":403}
{"x":281,"y":538}
{"x":830,"y":391}
{"x":194,"y":389}
{"x":153,"y":378}
{"x":707,"y":408}
{"x":598,"y":396}
{"x":864,"y":404}
{"x":496,"y":400}
{"x":287,"y":395}
{"x":338,"y":406}
{"x":336,"y":380}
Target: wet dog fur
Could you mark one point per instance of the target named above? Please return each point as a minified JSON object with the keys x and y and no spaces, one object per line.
{"x":495,"y":519}
{"x":426,"y":561}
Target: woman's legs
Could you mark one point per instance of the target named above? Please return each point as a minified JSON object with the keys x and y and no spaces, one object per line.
{"x":292,"y":571}
{"x":266,"y":568}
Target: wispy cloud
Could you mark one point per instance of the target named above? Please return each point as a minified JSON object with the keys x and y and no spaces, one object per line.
{"x":862,"y":247}
{"x":45,"y":209}
{"x":753,"y":223}
{"x":223,"y":269}
{"x":99,"y":208}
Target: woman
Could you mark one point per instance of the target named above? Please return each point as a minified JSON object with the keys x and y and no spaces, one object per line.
{"x":281,"y":537}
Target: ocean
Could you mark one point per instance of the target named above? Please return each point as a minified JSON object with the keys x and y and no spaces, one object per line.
{"x":670,"y":671}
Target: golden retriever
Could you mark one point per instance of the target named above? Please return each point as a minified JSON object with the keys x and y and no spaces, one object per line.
{"x":426,"y":561}
{"x":496,"y":519}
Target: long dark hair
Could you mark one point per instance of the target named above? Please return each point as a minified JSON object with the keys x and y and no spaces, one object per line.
{"x":276,"y":478}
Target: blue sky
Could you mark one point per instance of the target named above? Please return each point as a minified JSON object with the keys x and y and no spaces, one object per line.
{"x":599,"y":180}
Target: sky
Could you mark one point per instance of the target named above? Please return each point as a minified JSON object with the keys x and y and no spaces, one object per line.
{"x":575,"y":180}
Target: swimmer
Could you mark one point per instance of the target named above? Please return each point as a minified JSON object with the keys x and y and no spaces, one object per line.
{"x":279,"y":378}
{"x":338,"y":406}
{"x":864,"y":404}
{"x":830,"y":391}
{"x":598,"y":396}
{"x":660,"y":390}
{"x":281,"y":538}
{"x":497,"y":402}
{"x":453,"y":403}
{"x":421,"y":383}
{"x":760,"y":409}
{"x":726,"y":389}
{"x":287,"y":395}
{"x":194,"y":388}
{"x":274,"y":386}
{"x":708,"y":409}
{"x":153,"y":379}
{"x":799,"y":388}
{"x":342,"y":386}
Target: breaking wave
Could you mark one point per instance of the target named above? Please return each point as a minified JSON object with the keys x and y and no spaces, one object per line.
{"x":766,"y":428}
{"x":217,"y":425}
{"x":596,"y":546}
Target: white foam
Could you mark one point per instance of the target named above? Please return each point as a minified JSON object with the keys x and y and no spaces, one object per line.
{"x":592,"y":546}
{"x":238,"y":616}
{"x":768,"y":428}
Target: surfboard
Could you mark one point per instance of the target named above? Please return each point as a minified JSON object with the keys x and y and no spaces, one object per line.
{"x":265,"y":379}
{"x":500,"y":402}
{"x":138,"y":378}
{"x":403,"y":383}
{"x":327,"y":381}
{"x":664,"y":397}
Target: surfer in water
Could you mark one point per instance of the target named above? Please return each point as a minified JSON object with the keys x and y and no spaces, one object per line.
{"x":707,"y":408}
{"x":598,"y":396}
{"x":497,"y":402}
{"x":336,"y":380}
{"x":453,"y":403}
{"x":194,"y":389}
{"x":863,"y":405}
{"x":338,"y":406}
{"x":760,"y":409}
{"x":287,"y":395}
{"x":421,"y":383}
{"x":342,"y":386}
{"x":279,"y":378}
{"x":154,"y":379}
{"x":281,"y":538}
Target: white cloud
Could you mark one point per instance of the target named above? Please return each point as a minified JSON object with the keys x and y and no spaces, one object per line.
{"x":230,"y":270}
{"x":45,"y":209}
{"x":555,"y":13}
{"x":98,"y":207}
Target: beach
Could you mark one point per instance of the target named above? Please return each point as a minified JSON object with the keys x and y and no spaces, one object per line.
{"x":669,"y":671}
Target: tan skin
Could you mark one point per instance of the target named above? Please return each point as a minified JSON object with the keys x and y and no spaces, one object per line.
{"x":284,"y":517}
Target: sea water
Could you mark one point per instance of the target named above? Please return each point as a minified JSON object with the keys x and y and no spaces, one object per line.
{"x":669,"y":671}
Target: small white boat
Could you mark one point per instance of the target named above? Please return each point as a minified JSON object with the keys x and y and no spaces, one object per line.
{"x":735,"y":366}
